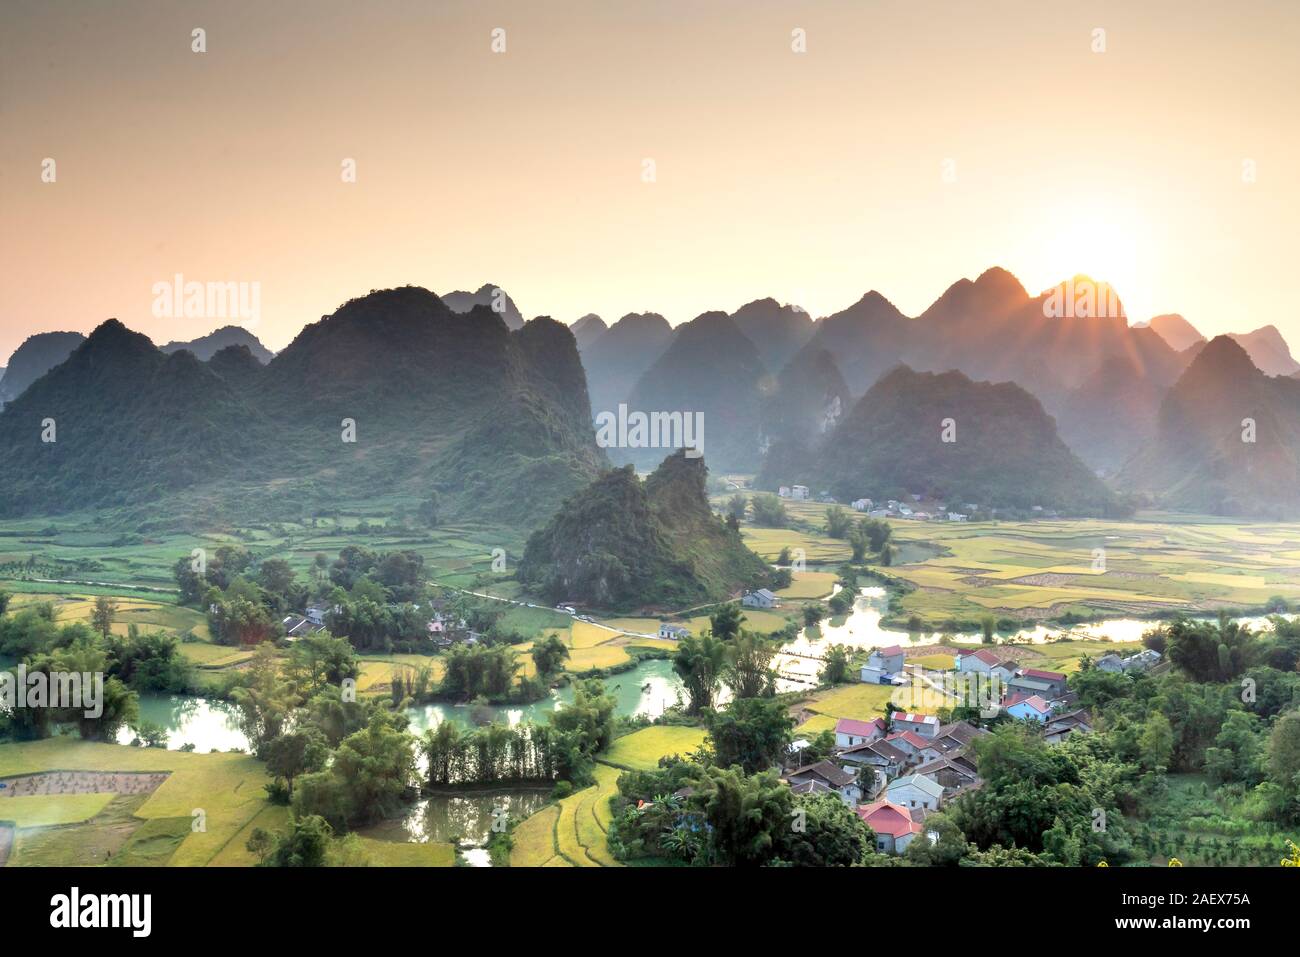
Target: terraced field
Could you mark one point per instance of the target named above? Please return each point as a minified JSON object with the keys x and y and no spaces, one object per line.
{"x":222,"y":792}
{"x":1161,"y":563}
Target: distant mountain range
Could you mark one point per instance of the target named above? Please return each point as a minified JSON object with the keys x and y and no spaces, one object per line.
{"x":205,"y":347}
{"x":36,"y":356}
{"x":624,"y":544}
{"x":1267,"y":349}
{"x":947,"y":438}
{"x":497,"y":422}
{"x":493,"y":297}
{"x":1227,"y":439}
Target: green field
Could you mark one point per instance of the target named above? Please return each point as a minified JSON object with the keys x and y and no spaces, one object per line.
{"x":224,"y":790}
{"x":641,"y":750}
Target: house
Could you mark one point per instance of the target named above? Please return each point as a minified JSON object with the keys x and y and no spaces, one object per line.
{"x":915,"y":790}
{"x":888,"y":660}
{"x":881,"y":755}
{"x":1030,"y":681}
{"x":1005,"y":670}
{"x":878,"y":513}
{"x":953,"y":773}
{"x":812,"y":787}
{"x":783,"y":491}
{"x":762,"y":598}
{"x":844,"y":783}
{"x":316,"y":615}
{"x":957,"y":517}
{"x":1027,"y":707}
{"x":956,"y":736}
{"x":849,"y":732}
{"x":862,"y":504}
{"x":1110,"y":662}
{"x":914,"y":746}
{"x":1142,"y":660}
{"x":799,"y":493}
{"x":892,"y":825}
{"x":926,"y":725}
{"x":673,"y":632}
{"x":296,"y":626}
{"x":979,"y":660}
{"x":1057,"y":729}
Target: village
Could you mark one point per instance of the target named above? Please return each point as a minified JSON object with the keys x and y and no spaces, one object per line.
{"x":897,"y":769}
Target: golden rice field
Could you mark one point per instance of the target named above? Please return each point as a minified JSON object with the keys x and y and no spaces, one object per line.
{"x":641,"y":750}
{"x":1097,"y":568}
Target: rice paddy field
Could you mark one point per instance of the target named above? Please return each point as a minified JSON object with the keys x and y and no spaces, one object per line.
{"x":224,"y":790}
{"x":1159,"y":565}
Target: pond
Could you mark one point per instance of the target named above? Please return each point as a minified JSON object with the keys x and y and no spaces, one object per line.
{"x":207,"y":723}
{"x":462,"y":817}
{"x":648,"y":689}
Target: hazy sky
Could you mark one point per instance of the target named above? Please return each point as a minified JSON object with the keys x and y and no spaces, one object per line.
{"x":914,"y":142}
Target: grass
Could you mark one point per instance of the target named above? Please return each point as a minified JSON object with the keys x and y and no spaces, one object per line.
{"x":641,"y":750}
{"x":88,"y":844}
{"x":226,"y":788}
{"x":154,"y":843}
{"x":401,"y":854}
{"x":809,"y":585}
{"x":46,"y":810}
{"x":861,"y":701}
{"x":534,"y":839}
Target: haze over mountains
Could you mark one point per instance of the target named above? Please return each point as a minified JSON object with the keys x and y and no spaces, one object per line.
{"x":450,"y":395}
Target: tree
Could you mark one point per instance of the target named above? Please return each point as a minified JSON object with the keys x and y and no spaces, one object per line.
{"x":878,"y":532}
{"x":813,"y":613}
{"x":4,"y":601}
{"x":826,"y":832}
{"x":101,"y":619}
{"x":725,"y":622}
{"x":768,"y":511}
{"x":698,"y":661}
{"x":736,"y":506}
{"x":754,"y":733}
{"x":750,"y":817}
{"x":838,"y":522}
{"x":1156,"y":743}
{"x":1209,"y":652}
{"x":277,"y":576}
{"x":371,"y":771}
{"x":859,"y":543}
{"x":304,"y":845}
{"x":265,"y":702}
{"x":1284,"y":760}
{"x":836,"y":669}
{"x":749,"y":666}
{"x":549,"y":654}
{"x":295,"y":753}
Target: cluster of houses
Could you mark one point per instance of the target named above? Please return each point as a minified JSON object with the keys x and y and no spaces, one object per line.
{"x":895,"y":773}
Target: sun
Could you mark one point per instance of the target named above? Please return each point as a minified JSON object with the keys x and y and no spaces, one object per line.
{"x":1093,"y":239}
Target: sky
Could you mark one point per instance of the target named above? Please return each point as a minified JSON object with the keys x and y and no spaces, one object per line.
{"x":616,"y":156}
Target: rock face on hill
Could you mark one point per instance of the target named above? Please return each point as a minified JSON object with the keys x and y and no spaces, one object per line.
{"x":392,"y":394}
{"x":622,"y":544}
{"x":36,"y":356}
{"x":205,"y":347}
{"x":949,"y":438}
{"x":1227,"y":439}
{"x":490,"y":296}
{"x":710,"y":370}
